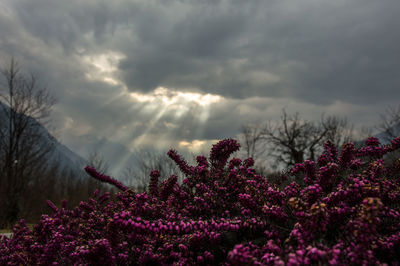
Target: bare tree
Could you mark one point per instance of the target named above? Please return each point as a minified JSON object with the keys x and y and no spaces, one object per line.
{"x":253,"y":142}
{"x":138,"y":175}
{"x":338,"y":130}
{"x":132,"y":178}
{"x":98,"y":162}
{"x":155,"y":160}
{"x":390,"y":123}
{"x":390,"y":127}
{"x":289,"y":140}
{"x":293,"y":140}
{"x":252,"y":139}
{"x":23,"y":105}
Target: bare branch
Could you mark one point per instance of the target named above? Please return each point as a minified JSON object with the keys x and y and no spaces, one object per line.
{"x":23,"y":105}
{"x":293,"y":139}
{"x":390,"y":123}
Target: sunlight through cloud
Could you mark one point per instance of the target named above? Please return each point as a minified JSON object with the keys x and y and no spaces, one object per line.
{"x":193,"y":146}
{"x":175,"y":104}
{"x":169,"y":97}
{"x":103,"y":66}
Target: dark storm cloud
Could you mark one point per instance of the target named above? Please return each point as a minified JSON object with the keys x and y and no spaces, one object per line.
{"x":319,"y":51}
{"x":171,"y":51}
{"x":313,"y":51}
{"x":66,"y":22}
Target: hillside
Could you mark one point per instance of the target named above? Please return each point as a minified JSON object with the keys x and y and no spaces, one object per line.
{"x":67,"y":159}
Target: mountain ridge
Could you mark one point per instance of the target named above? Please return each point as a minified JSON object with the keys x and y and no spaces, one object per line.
{"x":60,"y":154}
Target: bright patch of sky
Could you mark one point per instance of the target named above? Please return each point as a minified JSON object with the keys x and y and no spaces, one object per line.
{"x":169,"y":97}
{"x":102,"y":67}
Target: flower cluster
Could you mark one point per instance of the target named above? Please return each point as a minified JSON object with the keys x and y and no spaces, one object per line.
{"x":344,"y":211}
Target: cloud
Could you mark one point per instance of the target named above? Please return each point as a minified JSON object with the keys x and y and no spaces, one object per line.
{"x":106,"y":60}
{"x":313,"y":51}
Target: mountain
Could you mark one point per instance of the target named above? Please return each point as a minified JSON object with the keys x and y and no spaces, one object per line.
{"x":385,"y":138}
{"x":117,"y":156}
{"x":67,"y":159}
{"x":61,"y":154}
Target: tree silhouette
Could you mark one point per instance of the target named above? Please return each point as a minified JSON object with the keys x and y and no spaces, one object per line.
{"x":23,"y":105}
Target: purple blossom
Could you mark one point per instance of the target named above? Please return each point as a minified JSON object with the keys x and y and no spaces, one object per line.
{"x":52,"y":206}
{"x":372,"y":141}
{"x":182,"y":164}
{"x":221,"y":151}
{"x":103,"y":178}
{"x":153,"y":185}
{"x":344,"y":213}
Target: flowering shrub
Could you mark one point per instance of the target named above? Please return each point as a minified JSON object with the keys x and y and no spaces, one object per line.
{"x":341,"y":210}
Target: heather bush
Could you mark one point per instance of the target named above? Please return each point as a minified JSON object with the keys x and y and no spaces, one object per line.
{"x":342,"y":209}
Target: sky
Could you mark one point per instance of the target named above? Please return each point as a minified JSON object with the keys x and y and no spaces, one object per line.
{"x":185,"y":73}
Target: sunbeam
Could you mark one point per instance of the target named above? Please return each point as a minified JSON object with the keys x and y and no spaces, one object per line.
{"x":176,"y":105}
